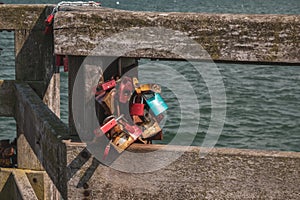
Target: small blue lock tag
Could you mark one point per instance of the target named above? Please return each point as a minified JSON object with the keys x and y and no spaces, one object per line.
{"x":157,"y":104}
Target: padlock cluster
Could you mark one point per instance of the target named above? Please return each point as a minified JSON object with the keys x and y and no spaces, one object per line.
{"x":132,"y":112}
{"x":8,"y":157}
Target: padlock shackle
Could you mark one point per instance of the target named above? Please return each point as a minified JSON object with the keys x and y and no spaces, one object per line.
{"x":113,"y":116}
{"x":134,"y":98}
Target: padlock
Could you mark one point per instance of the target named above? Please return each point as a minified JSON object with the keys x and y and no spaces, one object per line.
{"x":48,"y":30}
{"x":125,"y":89}
{"x":59,"y":60}
{"x":99,"y":96}
{"x":157,"y":104}
{"x":137,"y":120}
{"x":49,"y":19}
{"x":148,"y":88}
{"x":133,"y":130}
{"x":107,"y":126}
{"x":108,"y":85}
{"x":151,"y":130}
{"x":137,"y":108}
{"x":108,"y":101}
{"x":106,"y":151}
{"x":122,"y":141}
{"x":66,"y":64}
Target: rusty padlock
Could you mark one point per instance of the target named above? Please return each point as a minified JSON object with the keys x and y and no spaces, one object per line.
{"x":108,"y":101}
{"x":137,"y":108}
{"x":151,"y":130}
{"x":147,"y":88}
{"x":122,"y":141}
{"x":137,"y":120}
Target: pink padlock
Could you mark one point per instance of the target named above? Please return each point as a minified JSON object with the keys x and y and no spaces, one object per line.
{"x":108,"y":85}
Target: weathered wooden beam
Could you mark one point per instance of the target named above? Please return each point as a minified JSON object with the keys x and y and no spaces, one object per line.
{"x":226,"y":37}
{"x":44,"y":132}
{"x":17,"y":186}
{"x":26,"y":182}
{"x":34,"y":50}
{"x":222,"y":174}
{"x":22,"y":17}
{"x":7,"y":98}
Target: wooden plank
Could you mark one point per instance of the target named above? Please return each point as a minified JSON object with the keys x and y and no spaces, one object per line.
{"x":226,"y":37}
{"x":4,"y":175}
{"x":24,"y":187}
{"x":222,"y":174}
{"x":34,"y":52}
{"x":18,"y":16}
{"x":44,"y":132}
{"x":7,"y":99}
{"x":20,"y":183}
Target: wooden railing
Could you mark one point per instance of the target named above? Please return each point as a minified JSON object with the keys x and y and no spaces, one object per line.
{"x":48,"y":149}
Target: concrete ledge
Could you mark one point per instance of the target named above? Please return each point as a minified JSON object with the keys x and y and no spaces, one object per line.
{"x":226,"y":37}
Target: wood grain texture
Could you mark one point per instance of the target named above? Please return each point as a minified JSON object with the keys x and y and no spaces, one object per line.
{"x":44,"y":132}
{"x":226,"y":37}
{"x":7,"y":99}
{"x":222,"y":174}
{"x":21,"y":17}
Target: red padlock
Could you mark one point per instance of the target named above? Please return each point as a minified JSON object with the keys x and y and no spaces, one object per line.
{"x":107,"y":126}
{"x":48,"y":30}
{"x":59,"y":60}
{"x":49,"y":19}
{"x":108,"y":85}
{"x":66,"y":64}
{"x":125,"y":89}
{"x":137,"y":108}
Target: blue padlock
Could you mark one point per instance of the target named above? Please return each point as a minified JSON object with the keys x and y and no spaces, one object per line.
{"x":157,"y":104}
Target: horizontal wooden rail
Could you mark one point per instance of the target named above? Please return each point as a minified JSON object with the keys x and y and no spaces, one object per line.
{"x":226,"y":37}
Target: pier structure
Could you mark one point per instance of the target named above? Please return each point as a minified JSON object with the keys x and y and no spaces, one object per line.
{"x":52,"y":160}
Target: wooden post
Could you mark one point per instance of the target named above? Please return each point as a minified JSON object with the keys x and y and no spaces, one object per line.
{"x":34,"y":65}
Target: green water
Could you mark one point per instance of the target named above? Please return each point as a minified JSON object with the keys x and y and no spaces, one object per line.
{"x":263,"y":102}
